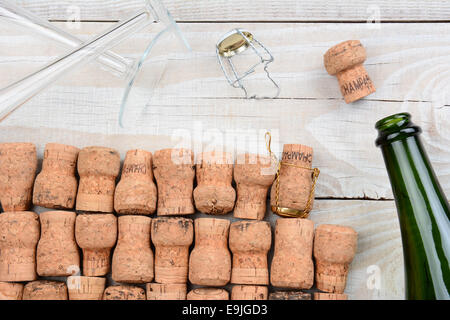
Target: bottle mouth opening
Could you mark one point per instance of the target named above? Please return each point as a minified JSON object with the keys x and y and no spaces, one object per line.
{"x":395,"y":121}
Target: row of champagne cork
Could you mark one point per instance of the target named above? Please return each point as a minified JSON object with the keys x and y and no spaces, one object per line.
{"x":57,"y":187}
{"x":93,"y":288}
{"x":47,"y":245}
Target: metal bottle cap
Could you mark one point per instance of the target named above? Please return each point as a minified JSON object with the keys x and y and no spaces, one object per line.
{"x":233,"y":43}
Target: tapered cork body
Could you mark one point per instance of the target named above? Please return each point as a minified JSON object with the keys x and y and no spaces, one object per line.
{"x":208,"y":294}
{"x":56,"y":185}
{"x":345,"y":60}
{"x":210,"y":260}
{"x":214,"y":193}
{"x":174,"y":173}
{"x":11,"y":291}
{"x":85,"y":288}
{"x":19,"y":235}
{"x":334,"y":249}
{"x":166,"y":291}
{"x":18,"y":164}
{"x":124,"y":293}
{"x":96,"y":234}
{"x":172,"y":238}
{"x":45,"y":290}
{"x":295,"y":180}
{"x":57,"y":252}
{"x":241,"y":292}
{"x":250,"y":241}
{"x":133,"y":258}
{"x":136,"y":192}
{"x":292,"y":265}
{"x":98,"y":168}
{"x":330,"y":296}
{"x":254,"y":175}
{"x":289,"y":295}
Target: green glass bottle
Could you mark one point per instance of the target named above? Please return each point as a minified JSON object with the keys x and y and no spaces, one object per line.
{"x":423,"y":210}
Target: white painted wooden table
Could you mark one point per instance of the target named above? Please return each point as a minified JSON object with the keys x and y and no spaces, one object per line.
{"x":183,"y":99}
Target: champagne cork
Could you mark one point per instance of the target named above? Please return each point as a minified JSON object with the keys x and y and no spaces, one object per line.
{"x":57,"y":252}
{"x":172,"y":238}
{"x":98,"y":168}
{"x":136,"y":192}
{"x":214,"y":193}
{"x":293,"y":187}
{"x":250,"y":242}
{"x":45,"y":290}
{"x":11,"y":291}
{"x":166,"y":291}
{"x":292,"y":265}
{"x":124,"y":293}
{"x":241,"y":292}
{"x":85,"y":288}
{"x":56,"y":185}
{"x":345,"y":60}
{"x":330,"y":296}
{"x":334,"y":249}
{"x":254,"y":176}
{"x":289,"y":295}
{"x":133,"y":258}
{"x":174,"y":173}
{"x":210,"y":260}
{"x":19,"y":235}
{"x":18,"y":164}
{"x":96,"y":234}
{"x":208,"y":294}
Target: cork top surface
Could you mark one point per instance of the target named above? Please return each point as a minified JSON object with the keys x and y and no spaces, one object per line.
{"x":96,"y":230}
{"x":57,"y":215}
{"x":172,"y":231}
{"x":215,"y":157}
{"x":297,"y":154}
{"x":64,"y":148}
{"x":250,"y":236}
{"x":336,"y":229}
{"x":166,"y":157}
{"x":293,"y":222}
{"x":343,"y":56}
{"x":19,"y":146}
{"x":134,"y":219}
{"x":99,"y":160}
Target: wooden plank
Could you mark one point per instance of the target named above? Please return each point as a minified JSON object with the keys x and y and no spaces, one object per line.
{"x":189,"y":92}
{"x":377,"y":269}
{"x":250,"y":10}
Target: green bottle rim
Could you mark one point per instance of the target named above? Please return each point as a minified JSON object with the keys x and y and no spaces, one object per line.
{"x":395,"y":127}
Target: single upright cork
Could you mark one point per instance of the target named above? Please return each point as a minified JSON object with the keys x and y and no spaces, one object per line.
{"x":124,"y":293}
{"x":19,"y":235}
{"x":292,"y":265}
{"x":293,"y":188}
{"x":57,"y":252}
{"x":254,"y":175}
{"x":208,"y":294}
{"x":174,"y":173}
{"x":330,"y":296}
{"x":45,"y":290}
{"x":133,"y":258}
{"x":214,"y":193}
{"x":11,"y":291}
{"x":172,"y":238}
{"x":56,"y":185}
{"x":98,"y":168}
{"x":241,"y":292}
{"x":334,"y":249}
{"x":289,"y":295}
{"x":85,"y":288}
{"x":18,"y":164}
{"x":166,"y":291}
{"x":210,"y":260}
{"x":345,"y":60}
{"x":250,"y":242}
{"x":96,"y":234}
{"x":136,"y":192}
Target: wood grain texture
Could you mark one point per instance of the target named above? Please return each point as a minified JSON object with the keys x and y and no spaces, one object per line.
{"x":250,"y":10}
{"x":186,"y":95}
